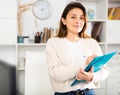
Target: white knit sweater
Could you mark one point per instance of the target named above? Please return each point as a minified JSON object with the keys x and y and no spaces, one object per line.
{"x":65,"y":59}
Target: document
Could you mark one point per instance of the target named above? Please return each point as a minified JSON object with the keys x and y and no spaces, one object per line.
{"x":97,"y":63}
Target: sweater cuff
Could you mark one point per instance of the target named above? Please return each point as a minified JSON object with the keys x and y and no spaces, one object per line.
{"x":96,"y":78}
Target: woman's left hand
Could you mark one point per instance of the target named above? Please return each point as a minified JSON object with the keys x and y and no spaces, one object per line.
{"x":83,"y":75}
{"x":90,"y":58}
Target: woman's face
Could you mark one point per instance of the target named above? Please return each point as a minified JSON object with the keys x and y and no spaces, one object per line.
{"x":74,"y":21}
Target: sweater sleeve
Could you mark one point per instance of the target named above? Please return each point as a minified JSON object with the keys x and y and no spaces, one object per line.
{"x":58,"y":70}
{"x":101,"y":74}
{"x":104,"y":72}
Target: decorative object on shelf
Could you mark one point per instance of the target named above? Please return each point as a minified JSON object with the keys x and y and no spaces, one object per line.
{"x":37,"y":37}
{"x":42,"y":9}
{"x":21,"y":10}
{"x":20,"y":39}
{"x":91,"y":13}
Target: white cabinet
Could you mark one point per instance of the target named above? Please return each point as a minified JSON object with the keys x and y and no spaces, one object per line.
{"x":113,"y":44}
{"x":21,"y":62}
{"x":101,"y":91}
{"x":113,"y":91}
{"x":36,"y":74}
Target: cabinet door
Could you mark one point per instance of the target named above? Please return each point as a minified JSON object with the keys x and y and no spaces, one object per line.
{"x":100,"y":91}
{"x":113,"y":91}
{"x":113,"y":82}
{"x":36,"y":75}
{"x":8,"y":8}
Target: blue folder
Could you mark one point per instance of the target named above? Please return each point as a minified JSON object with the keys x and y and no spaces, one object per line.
{"x":97,"y":63}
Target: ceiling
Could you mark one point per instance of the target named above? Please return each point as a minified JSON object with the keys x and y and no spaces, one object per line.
{"x":110,"y":1}
{"x":114,"y":1}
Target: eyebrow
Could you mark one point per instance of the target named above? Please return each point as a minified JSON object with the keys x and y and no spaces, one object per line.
{"x":75,"y":15}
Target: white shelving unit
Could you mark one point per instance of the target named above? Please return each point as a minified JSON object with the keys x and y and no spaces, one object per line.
{"x":15,"y":53}
{"x":113,"y":44}
{"x":110,"y":41}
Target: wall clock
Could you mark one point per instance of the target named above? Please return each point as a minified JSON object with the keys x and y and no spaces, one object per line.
{"x":42,"y":9}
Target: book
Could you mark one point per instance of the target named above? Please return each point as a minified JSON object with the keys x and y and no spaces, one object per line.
{"x":116,"y":15}
{"x":111,"y":12}
{"x":96,"y":31}
{"x":97,"y":63}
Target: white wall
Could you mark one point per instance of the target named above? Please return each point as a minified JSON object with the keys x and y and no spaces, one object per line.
{"x":8,"y":30}
{"x":29,"y":19}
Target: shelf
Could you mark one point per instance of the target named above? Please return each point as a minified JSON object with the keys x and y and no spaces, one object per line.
{"x":88,"y":0}
{"x":7,"y":44}
{"x":114,"y":1}
{"x":113,"y":43}
{"x":40,"y":44}
{"x":102,"y":43}
{"x":21,"y":69}
{"x":96,"y":20}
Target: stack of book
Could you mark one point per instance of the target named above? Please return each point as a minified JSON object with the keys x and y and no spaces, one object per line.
{"x":42,"y":37}
{"x":114,"y":13}
{"x":96,"y":30}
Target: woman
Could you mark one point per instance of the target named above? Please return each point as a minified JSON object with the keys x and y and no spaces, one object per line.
{"x":70,"y":52}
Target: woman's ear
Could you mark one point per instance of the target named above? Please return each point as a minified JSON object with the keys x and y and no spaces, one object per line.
{"x":63,"y":21}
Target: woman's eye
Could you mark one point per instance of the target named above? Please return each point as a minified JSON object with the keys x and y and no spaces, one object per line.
{"x":72,"y":17}
{"x":82,"y":18}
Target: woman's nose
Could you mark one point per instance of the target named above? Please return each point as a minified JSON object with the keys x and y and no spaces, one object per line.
{"x":78,"y":20}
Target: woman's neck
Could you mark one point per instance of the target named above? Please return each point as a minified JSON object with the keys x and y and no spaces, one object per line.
{"x":73,"y":38}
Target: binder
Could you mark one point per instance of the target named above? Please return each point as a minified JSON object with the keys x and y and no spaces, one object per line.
{"x":97,"y":63}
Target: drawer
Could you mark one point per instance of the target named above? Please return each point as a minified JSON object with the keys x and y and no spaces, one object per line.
{"x":113,"y":82}
{"x":114,"y":71}
{"x":100,"y":92}
{"x":113,"y":91}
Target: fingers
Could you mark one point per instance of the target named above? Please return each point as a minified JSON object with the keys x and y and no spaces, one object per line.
{"x":92,"y":70}
{"x":79,"y":75}
{"x":82,"y":75}
{"x":90,"y":58}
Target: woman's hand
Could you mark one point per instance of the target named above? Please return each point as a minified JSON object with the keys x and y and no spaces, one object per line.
{"x":83,"y":75}
{"x":90,"y":58}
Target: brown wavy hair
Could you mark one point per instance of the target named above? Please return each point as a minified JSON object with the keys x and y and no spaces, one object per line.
{"x":63,"y":29}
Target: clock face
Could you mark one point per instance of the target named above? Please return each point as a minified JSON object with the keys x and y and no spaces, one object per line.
{"x":42,"y":9}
